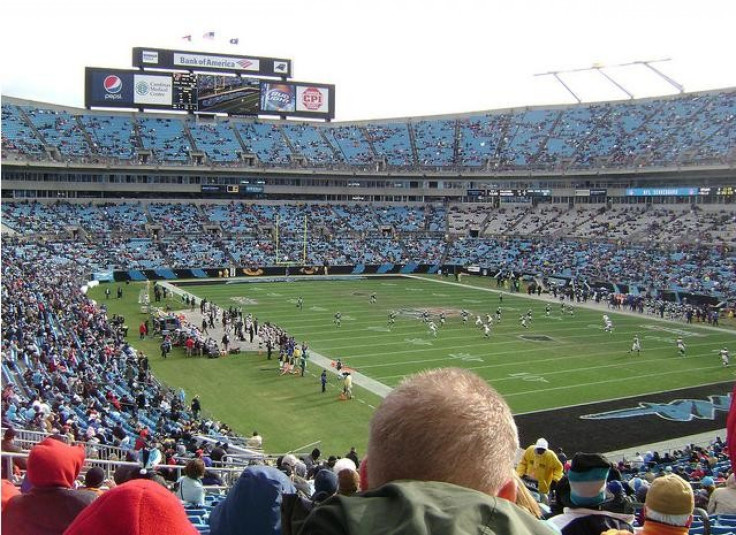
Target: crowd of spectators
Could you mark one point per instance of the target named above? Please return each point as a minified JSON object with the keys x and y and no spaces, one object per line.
{"x":655,"y":250}
{"x":690,"y":129}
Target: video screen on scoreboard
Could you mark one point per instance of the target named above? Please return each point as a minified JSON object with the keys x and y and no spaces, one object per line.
{"x":233,"y":95}
{"x":298,"y":99}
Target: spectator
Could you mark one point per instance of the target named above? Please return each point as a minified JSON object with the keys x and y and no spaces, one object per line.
{"x":703,"y":494}
{"x":256,"y":441}
{"x":348,"y":482}
{"x":669,"y":507}
{"x":138,"y":507}
{"x":585,"y":499}
{"x":541,"y":465}
{"x":93,"y":480}
{"x":353,"y":456}
{"x":325,"y":485}
{"x":411,"y":492}
{"x":52,"y":503}
{"x":8,"y":491}
{"x":8,"y":445}
{"x":723,"y":500}
{"x":196,"y":406}
{"x":189,"y":487}
{"x":253,"y":504}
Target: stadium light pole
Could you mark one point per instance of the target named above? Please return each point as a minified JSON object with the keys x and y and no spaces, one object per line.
{"x":556,"y":75}
{"x":599,"y":68}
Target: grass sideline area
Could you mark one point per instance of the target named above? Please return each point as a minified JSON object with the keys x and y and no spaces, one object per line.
{"x":560,"y":360}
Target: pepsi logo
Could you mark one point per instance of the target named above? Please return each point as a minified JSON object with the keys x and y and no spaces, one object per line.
{"x":113,"y":84}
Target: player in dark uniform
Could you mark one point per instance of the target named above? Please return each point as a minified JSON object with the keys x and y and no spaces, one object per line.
{"x":443,"y":318}
{"x":300,"y":303}
{"x":464,"y":314}
{"x":373,"y":298}
{"x":547,"y":310}
{"x":391,"y":319}
{"x":338,"y":319}
{"x":498,"y":314}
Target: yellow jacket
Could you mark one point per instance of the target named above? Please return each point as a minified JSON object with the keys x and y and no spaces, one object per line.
{"x":543,"y":468}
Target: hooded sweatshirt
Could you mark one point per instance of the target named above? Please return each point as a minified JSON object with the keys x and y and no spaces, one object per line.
{"x":253,"y":505}
{"x":421,"y":508}
{"x":52,"y":503}
{"x":138,"y":507}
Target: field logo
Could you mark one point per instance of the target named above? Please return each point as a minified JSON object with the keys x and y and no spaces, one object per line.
{"x":466,"y":357}
{"x":678,"y":332}
{"x":113,"y":86}
{"x":678,"y":410}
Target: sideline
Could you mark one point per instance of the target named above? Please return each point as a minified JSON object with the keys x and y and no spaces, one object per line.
{"x":195,"y":318}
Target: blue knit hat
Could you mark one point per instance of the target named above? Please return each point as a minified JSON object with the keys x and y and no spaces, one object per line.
{"x":588,"y":474}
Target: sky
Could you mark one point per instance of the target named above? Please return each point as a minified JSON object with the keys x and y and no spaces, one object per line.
{"x":388,"y":58}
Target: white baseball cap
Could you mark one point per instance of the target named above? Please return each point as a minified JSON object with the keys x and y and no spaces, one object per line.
{"x":542,"y":444}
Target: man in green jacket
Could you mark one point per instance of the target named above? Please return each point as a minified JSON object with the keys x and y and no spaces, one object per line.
{"x":440,"y":460}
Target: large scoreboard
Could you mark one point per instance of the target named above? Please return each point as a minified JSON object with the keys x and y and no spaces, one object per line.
{"x":207,"y":93}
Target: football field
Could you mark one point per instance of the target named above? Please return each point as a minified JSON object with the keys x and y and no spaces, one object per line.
{"x":563,"y":357}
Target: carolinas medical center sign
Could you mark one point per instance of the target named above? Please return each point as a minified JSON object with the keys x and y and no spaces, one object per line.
{"x":152,"y":89}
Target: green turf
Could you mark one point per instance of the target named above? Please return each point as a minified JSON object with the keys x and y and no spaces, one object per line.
{"x":578,"y":363}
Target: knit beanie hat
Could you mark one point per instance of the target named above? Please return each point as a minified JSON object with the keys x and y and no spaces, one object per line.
{"x":325,"y":483}
{"x":670,"y":495}
{"x":94,"y":477}
{"x":588,"y":474}
{"x":138,"y":507}
{"x":52,"y":463}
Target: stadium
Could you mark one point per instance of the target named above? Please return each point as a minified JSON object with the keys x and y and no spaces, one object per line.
{"x":149,"y":257}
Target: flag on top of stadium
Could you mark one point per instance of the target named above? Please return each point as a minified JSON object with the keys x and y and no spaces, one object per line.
{"x":187,"y":37}
{"x":209,"y":35}
{"x":234,"y":41}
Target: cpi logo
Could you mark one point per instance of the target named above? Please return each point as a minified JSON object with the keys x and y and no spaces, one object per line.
{"x":113,"y":84}
{"x":312,"y":99}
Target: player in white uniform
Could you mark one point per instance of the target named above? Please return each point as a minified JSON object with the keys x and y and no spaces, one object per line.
{"x":478,"y":322}
{"x":635,"y":345}
{"x":432,"y":328}
{"x":523,"y":320}
{"x":443,"y":318}
{"x":464,"y":313}
{"x":725,"y":357}
{"x":681,"y":346}
{"x":486,"y":330}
